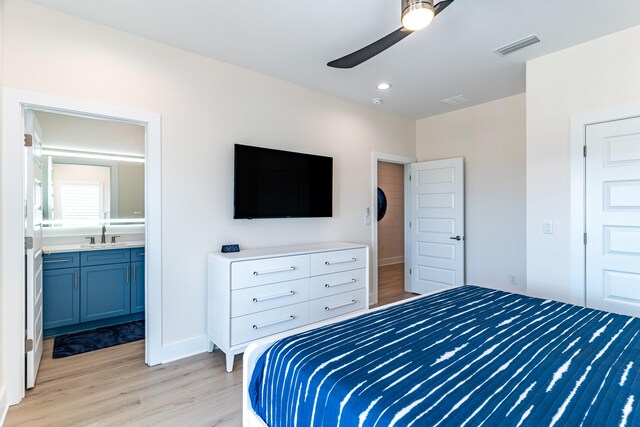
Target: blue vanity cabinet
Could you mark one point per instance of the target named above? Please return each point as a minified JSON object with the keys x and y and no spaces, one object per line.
{"x":137,"y":280}
{"x":61,"y":297}
{"x":105,"y":291}
{"x":86,"y":290}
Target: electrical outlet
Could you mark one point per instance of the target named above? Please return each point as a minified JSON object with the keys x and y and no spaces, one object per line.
{"x":513,"y":279}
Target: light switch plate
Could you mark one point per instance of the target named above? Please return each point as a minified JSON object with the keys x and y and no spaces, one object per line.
{"x":547,"y":227}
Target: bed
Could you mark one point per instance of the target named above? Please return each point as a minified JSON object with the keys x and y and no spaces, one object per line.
{"x":468,"y":356}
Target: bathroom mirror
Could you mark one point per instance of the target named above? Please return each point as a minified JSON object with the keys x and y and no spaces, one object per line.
{"x":93,"y":171}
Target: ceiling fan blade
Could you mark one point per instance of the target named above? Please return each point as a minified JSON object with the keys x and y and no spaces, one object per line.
{"x":366,"y":53}
{"x":441,"y":6}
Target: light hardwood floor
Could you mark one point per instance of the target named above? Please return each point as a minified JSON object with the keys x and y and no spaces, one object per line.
{"x":391,"y":284}
{"x":113,"y":387}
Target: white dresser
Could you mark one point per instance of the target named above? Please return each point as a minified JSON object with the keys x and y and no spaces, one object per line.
{"x":259,"y":292}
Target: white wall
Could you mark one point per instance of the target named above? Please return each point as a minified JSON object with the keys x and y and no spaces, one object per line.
{"x":594,"y":76}
{"x":206,"y":106}
{"x":3,"y":401}
{"x":491,"y":138}
{"x":83,"y":134}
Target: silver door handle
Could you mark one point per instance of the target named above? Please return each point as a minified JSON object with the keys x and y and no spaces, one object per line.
{"x":51,"y":261}
{"x":458,"y":238}
{"x":133,"y":279}
{"x":340,"y":262}
{"x":281,"y":270}
{"x":288,"y":319}
{"x":75,"y":279}
{"x":341,"y":305}
{"x":331,"y":285}
{"x":126,"y":275}
{"x":288,"y":294}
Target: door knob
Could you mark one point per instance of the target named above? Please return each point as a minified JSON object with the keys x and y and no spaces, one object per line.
{"x":458,"y":238}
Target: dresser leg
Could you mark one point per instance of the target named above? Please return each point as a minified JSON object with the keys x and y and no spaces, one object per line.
{"x":230,"y":358}
{"x":212,"y":346}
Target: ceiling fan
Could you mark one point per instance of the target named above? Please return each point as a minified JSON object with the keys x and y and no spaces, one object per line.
{"x":416,"y":15}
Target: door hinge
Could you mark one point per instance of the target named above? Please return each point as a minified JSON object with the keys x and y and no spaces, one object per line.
{"x":28,"y":140}
{"x":409,"y":224}
{"x":584,"y":151}
{"x":28,"y":345}
{"x":28,"y":243}
{"x":585,"y":238}
{"x":409,"y":177}
{"x":410,"y":271}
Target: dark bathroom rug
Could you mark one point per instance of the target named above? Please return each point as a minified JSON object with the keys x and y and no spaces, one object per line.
{"x":96,"y":339}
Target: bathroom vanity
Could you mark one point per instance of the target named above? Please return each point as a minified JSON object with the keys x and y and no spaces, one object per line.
{"x":92,"y":286}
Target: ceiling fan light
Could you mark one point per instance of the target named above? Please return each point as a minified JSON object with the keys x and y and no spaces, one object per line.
{"x":416,"y":14}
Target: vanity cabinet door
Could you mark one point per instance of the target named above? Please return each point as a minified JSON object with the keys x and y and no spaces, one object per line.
{"x":105,"y":291}
{"x":137,"y":287}
{"x":61,"y":297}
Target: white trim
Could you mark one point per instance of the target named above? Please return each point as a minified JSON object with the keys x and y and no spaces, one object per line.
{"x":184,"y":348}
{"x":4,"y":404}
{"x":577,"y":220}
{"x":12,"y":331}
{"x":388,"y":158}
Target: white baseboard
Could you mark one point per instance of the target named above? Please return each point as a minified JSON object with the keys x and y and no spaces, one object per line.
{"x":185,"y":348}
{"x":4,"y":404}
{"x":390,"y":261}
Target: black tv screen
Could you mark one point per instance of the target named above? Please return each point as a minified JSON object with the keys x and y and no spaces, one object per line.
{"x":281,"y":184}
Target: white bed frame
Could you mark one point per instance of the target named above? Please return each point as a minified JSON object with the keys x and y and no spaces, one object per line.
{"x":256,"y":348}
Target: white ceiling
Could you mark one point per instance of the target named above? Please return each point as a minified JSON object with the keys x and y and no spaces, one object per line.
{"x":294,"y":39}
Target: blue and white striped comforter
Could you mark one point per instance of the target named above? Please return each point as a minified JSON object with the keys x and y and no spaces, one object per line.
{"x":465,"y":357}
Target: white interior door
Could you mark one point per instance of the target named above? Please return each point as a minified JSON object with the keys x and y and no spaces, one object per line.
{"x":437,"y":225}
{"x":33,"y":244}
{"x":613,"y":216}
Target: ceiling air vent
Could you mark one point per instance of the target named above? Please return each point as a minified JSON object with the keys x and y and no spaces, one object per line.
{"x":518,"y":45}
{"x":456,"y":100}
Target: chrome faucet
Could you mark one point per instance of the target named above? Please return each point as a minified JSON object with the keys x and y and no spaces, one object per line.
{"x":104,"y":234}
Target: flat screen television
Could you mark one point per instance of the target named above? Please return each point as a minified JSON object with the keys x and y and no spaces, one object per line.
{"x":281,"y":184}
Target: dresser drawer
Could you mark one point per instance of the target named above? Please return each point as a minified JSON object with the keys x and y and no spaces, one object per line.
{"x":60,"y":260}
{"x":337,"y":305}
{"x":245,"y":274}
{"x":261,"y":298}
{"x":336,"y":283}
{"x":248,"y":328}
{"x":333,"y":262}
{"x":109,"y":256}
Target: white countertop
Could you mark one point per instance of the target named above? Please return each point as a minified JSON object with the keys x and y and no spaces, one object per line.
{"x":81,"y":247}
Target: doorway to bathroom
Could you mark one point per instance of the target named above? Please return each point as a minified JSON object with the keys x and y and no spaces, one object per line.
{"x":125,"y":250}
{"x":85,"y":236}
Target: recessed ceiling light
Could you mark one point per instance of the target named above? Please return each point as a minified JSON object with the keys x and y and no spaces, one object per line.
{"x":377,"y":101}
{"x":384,"y":86}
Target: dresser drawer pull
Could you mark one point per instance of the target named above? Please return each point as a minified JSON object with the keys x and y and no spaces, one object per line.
{"x":281,"y":270}
{"x":51,"y":261}
{"x":288,"y":319}
{"x":333,"y":285}
{"x":288,"y":294}
{"x":340,"y":262}
{"x":341,"y":305}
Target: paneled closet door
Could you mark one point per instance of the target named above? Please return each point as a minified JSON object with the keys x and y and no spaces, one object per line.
{"x":613,"y":216}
